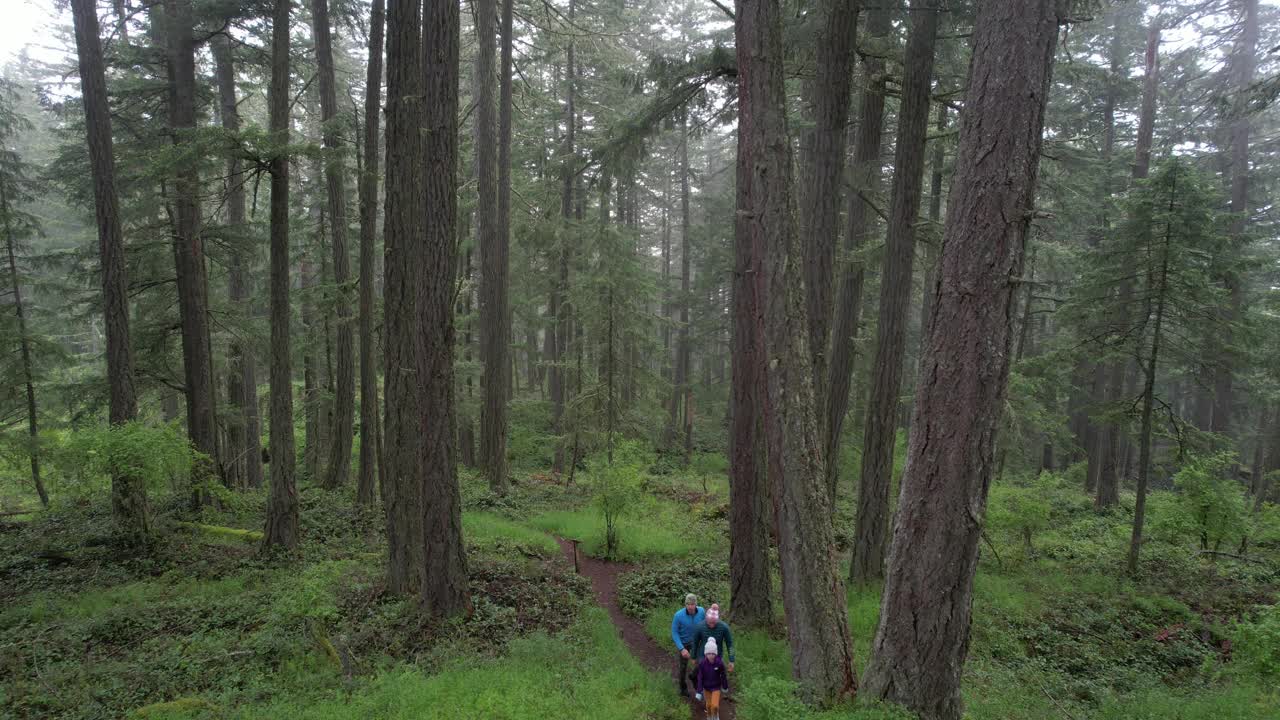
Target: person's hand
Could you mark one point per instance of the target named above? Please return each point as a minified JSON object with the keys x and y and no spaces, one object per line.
{"x":729,"y":665}
{"x":684,"y":653}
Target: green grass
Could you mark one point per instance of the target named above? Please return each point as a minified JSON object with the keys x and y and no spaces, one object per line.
{"x":585,"y":674}
{"x":659,"y":533}
{"x":487,"y":530}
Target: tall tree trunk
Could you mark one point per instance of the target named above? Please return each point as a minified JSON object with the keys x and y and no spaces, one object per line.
{"x":926,"y":607}
{"x":668,"y":366}
{"x":866,"y":181}
{"x":404,"y":246}
{"x":1157,"y":290}
{"x":341,"y":430}
{"x":563,"y":327}
{"x":370,"y":458}
{"x":495,"y":237}
{"x":188,"y":250}
{"x":128,"y":493}
{"x":812,"y":593}
{"x":1096,"y":436}
{"x":750,"y":579}
{"x":1112,"y":464}
{"x":245,"y":433}
{"x":444,"y":576}
{"x":1258,"y":466}
{"x":881,"y":431}
{"x":680,"y":416}
{"x":467,"y":423}
{"x":820,"y":214}
{"x":24,"y":341}
{"x":1243,"y":65}
{"x":282,"y":502}
{"x":312,"y":376}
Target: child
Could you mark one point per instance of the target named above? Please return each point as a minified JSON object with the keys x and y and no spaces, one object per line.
{"x":710,"y":679}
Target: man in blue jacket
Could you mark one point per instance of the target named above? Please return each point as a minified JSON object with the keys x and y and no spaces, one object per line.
{"x":683,"y":626}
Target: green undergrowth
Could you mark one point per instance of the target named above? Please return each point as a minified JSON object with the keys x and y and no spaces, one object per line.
{"x":584,"y":672}
{"x":200,"y":625}
{"x":497,"y":533}
{"x":657,"y":530}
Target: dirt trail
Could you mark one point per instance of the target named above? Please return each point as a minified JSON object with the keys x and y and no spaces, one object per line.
{"x":604,"y":583}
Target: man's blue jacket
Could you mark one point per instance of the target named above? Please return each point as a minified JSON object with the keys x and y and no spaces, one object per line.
{"x":683,"y":625}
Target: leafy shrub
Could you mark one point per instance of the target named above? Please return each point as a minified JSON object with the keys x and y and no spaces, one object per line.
{"x":1256,"y":644}
{"x":1019,"y":511}
{"x":1214,"y":503}
{"x":156,"y":454}
{"x":706,"y":466}
{"x":615,"y":487}
{"x":666,"y":584}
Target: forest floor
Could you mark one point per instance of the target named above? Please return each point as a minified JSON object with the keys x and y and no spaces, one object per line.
{"x":201,"y":626}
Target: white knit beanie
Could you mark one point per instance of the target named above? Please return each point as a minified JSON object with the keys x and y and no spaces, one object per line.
{"x":710,"y":649}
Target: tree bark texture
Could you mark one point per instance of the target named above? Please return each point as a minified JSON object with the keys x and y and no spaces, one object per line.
{"x":937,"y":159}
{"x":188,"y":251}
{"x":341,"y":430}
{"x":926,"y":607}
{"x":866,"y":182}
{"x":820,"y":214}
{"x":494,"y":209}
{"x":871,"y":537}
{"x":444,"y":589}
{"x":370,"y":459}
{"x":282,"y":500}
{"x":812,"y":593}
{"x":404,"y":243}
{"x":128,"y":493}
{"x":750,"y":580}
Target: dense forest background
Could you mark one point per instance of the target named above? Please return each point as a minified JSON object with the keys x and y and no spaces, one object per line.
{"x":938,"y":342}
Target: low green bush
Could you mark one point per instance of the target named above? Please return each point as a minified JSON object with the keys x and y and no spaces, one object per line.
{"x":1255,"y":644}
{"x":664,"y":586}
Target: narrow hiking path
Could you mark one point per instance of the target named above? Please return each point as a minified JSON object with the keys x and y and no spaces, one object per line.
{"x":604,"y":584}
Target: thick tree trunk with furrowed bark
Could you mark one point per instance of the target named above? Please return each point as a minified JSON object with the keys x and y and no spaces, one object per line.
{"x":812,"y":593}
{"x":750,"y":580}
{"x":444,"y":589}
{"x":404,"y":244}
{"x":820,"y":214}
{"x":926,"y":606}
